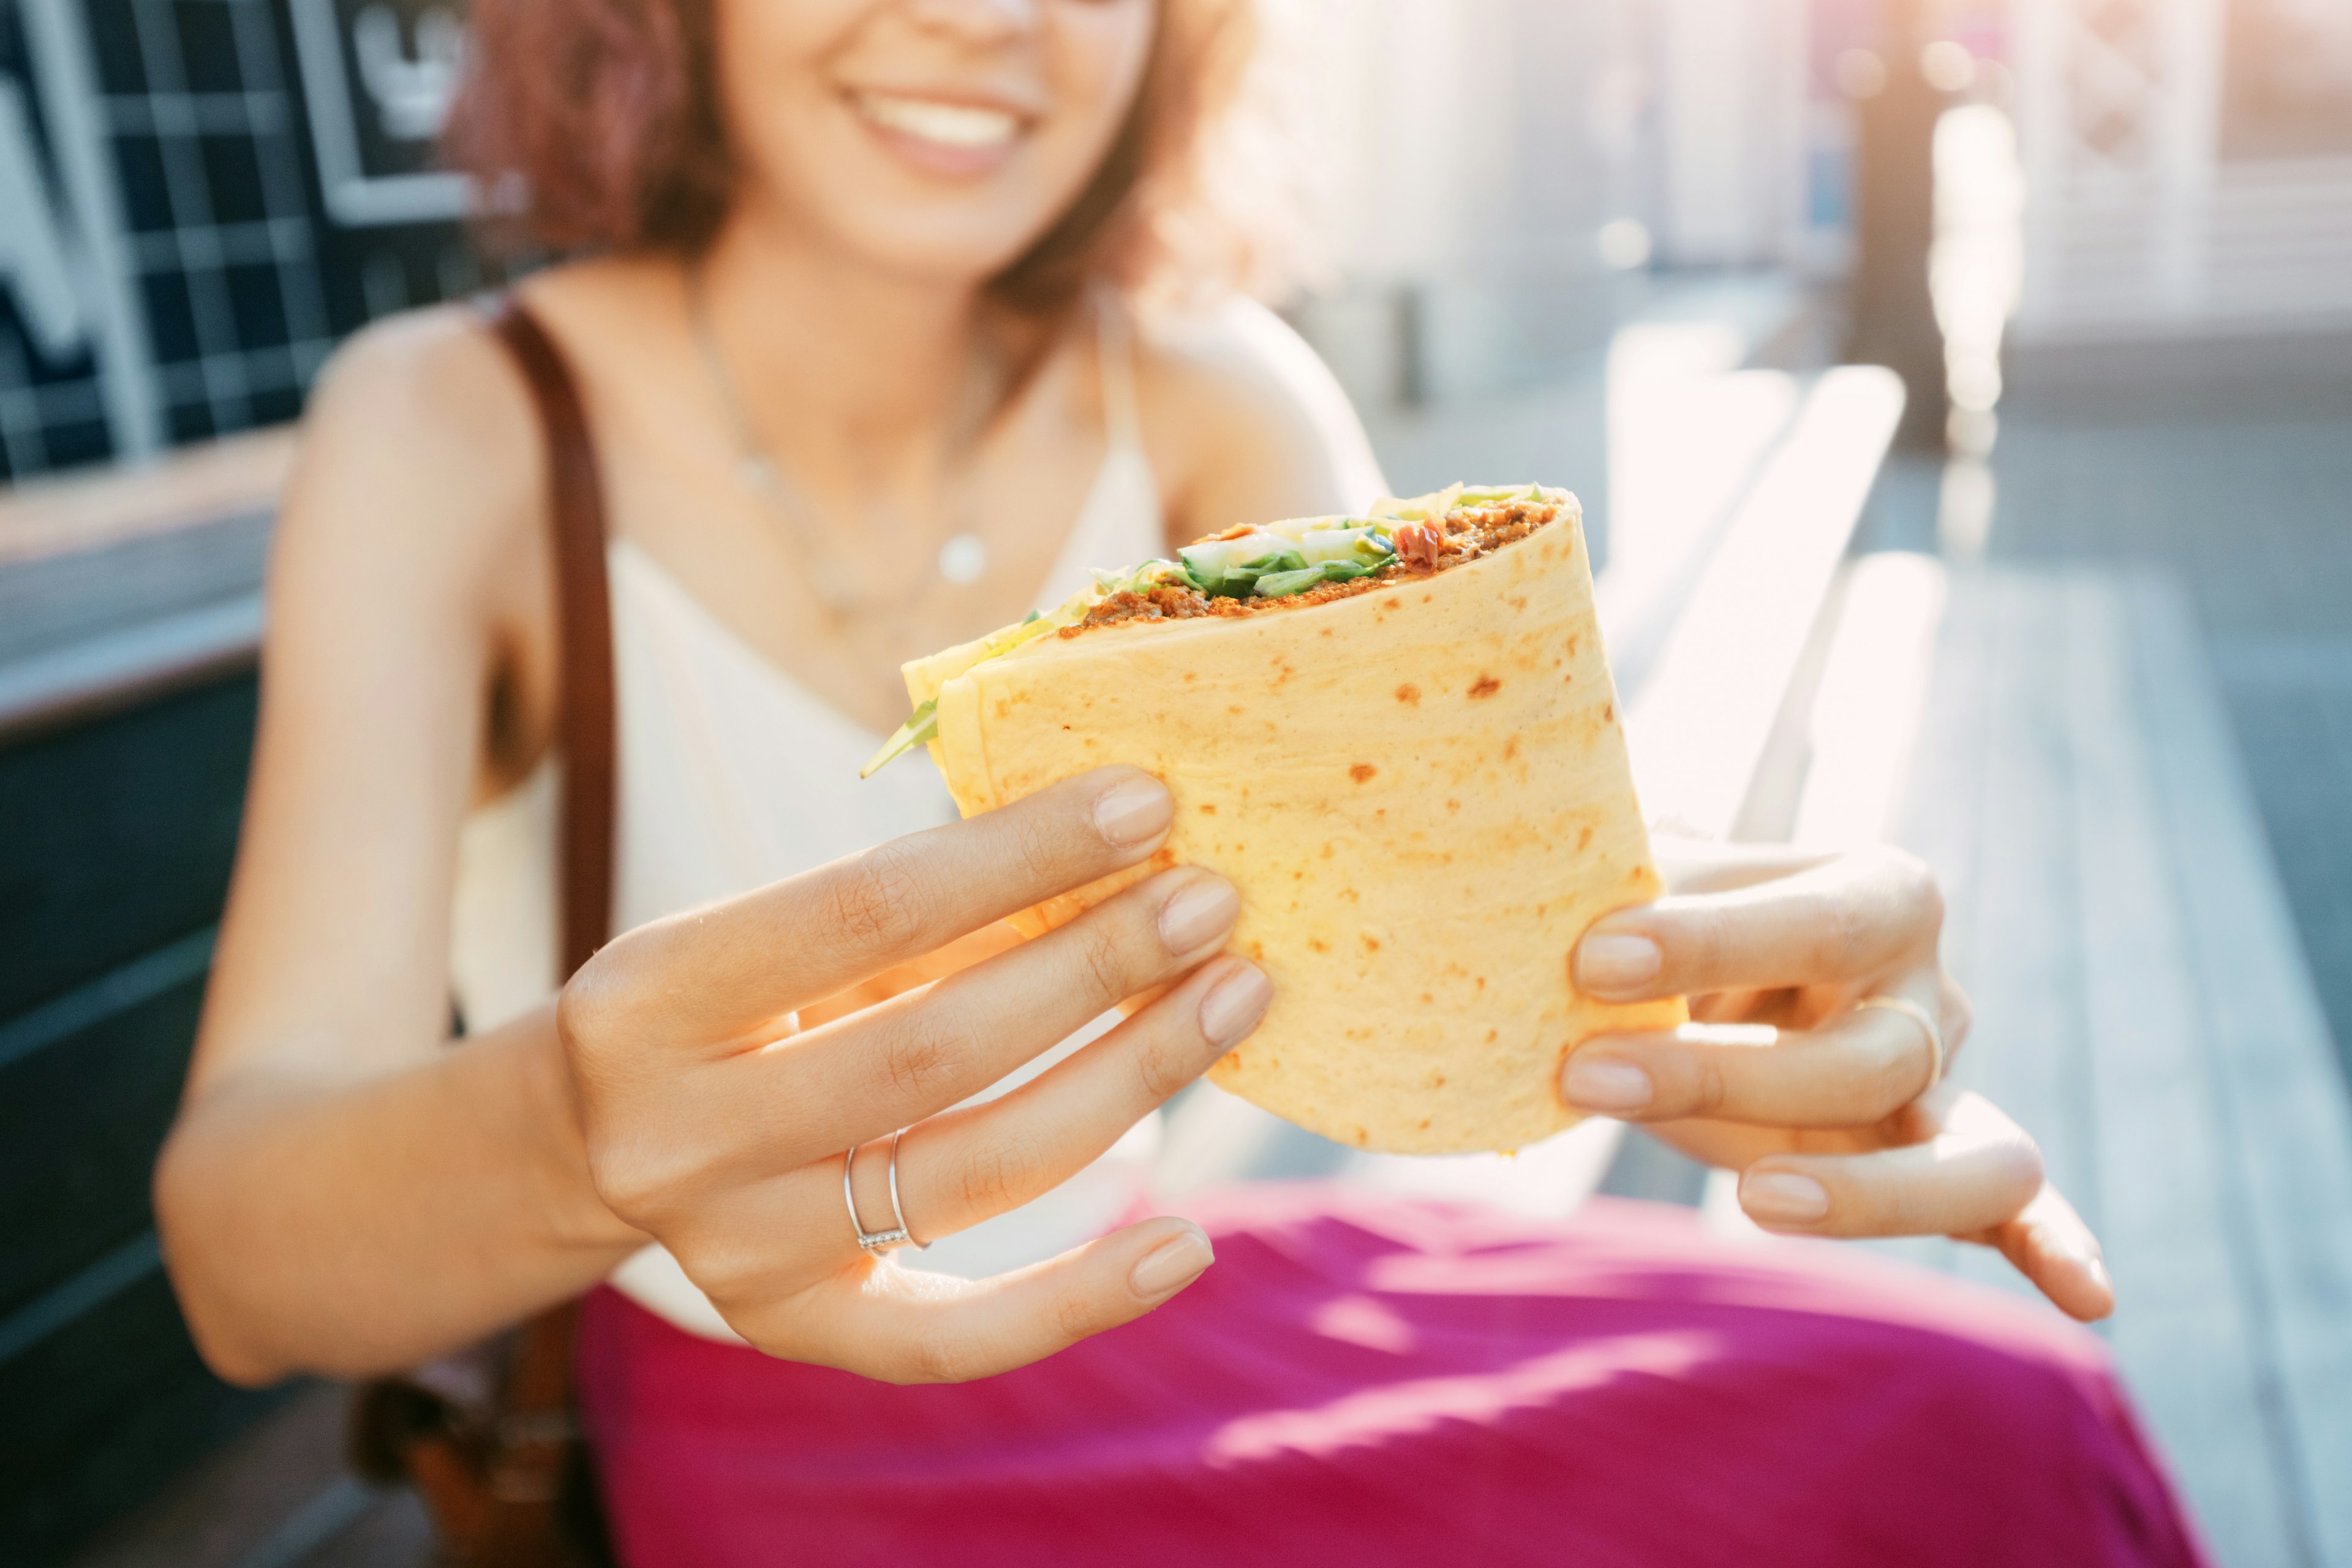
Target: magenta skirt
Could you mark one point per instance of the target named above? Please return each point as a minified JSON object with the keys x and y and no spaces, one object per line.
{"x":1366,"y":1382}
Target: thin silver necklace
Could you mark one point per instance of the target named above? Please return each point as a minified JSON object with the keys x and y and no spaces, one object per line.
{"x":962,"y":557}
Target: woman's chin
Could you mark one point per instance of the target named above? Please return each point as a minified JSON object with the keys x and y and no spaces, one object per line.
{"x":927,"y":254}
{"x":911,"y":220}
{"x":954,"y":238}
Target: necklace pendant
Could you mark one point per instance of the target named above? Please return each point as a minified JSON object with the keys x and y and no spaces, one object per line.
{"x":757,"y":475}
{"x":964,"y":559}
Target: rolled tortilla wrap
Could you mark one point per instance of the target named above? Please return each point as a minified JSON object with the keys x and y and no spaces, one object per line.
{"x":1421,"y":790}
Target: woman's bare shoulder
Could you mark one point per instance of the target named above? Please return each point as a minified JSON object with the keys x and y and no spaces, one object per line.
{"x":419,"y":445}
{"x":1238,"y":362}
{"x":428,"y":394}
{"x":1246,"y":422}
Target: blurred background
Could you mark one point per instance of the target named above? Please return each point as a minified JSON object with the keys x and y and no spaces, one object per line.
{"x":2064,"y":602}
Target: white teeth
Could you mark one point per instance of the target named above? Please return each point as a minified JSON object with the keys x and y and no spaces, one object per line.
{"x":950,"y":124}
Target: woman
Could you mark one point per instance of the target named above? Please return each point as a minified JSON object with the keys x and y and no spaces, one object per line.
{"x":852,"y":359}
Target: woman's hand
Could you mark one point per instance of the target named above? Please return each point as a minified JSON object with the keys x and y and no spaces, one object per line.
{"x":1833,"y":1114}
{"x":715,"y":1126}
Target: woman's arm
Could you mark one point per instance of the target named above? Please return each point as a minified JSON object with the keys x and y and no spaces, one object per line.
{"x":343,"y":1192}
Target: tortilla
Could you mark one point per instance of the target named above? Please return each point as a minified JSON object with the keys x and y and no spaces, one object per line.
{"x":1418,"y":783}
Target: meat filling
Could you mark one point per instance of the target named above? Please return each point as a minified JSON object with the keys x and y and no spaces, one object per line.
{"x":1423,"y":550}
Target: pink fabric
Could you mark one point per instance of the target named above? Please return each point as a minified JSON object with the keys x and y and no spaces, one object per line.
{"x":1363,"y":1381}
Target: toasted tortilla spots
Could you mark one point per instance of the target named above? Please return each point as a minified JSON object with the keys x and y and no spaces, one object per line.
{"x":1423,"y":799}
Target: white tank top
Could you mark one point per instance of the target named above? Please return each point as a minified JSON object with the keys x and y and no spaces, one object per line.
{"x":732,"y":775}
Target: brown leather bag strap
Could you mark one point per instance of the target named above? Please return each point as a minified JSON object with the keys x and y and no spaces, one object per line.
{"x":583,"y":614}
{"x":510,"y":1488}
{"x":536,"y":1473}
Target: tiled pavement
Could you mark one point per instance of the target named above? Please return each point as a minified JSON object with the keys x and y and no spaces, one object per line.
{"x":278,"y":1496}
{"x":2243,"y":485}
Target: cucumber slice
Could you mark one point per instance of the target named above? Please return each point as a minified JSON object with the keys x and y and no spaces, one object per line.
{"x":1230,"y":567}
{"x":1298,"y":528}
{"x":1357,"y":544}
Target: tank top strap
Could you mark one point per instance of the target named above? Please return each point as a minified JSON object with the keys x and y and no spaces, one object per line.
{"x":1115,"y":355}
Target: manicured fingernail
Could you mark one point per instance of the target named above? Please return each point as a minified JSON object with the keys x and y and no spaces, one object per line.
{"x":1201,"y":912}
{"x":1783,"y":1197}
{"x":1134,"y":811}
{"x":1172,"y":1266}
{"x":1606,"y":1085}
{"x":1235,"y":1005}
{"x":2099,"y":1274}
{"x":1616,"y":962}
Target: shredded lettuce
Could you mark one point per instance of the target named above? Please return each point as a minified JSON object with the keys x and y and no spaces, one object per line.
{"x":921,"y":728}
{"x":1419,"y":508}
{"x":1282,"y":585}
{"x":1495,"y":495}
{"x":1150,"y":575}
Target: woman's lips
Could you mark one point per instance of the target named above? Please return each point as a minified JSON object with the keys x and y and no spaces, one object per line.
{"x":937,"y":136}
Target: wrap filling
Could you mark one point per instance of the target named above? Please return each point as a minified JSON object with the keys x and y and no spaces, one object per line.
{"x":1280,"y":565}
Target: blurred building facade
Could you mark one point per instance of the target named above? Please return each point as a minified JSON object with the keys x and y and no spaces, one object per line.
{"x":2187,"y":165}
{"x":198,"y":198}
{"x":1462,"y":158}
{"x":1491,"y":173}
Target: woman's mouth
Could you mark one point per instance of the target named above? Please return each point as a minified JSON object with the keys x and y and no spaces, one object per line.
{"x":939,"y":136}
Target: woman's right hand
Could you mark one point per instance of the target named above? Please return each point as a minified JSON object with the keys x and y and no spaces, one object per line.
{"x":717,"y":1128}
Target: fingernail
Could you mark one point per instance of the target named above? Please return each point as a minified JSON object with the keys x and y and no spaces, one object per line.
{"x":1199,"y":912}
{"x":1606,"y":1085}
{"x":1783,"y":1197}
{"x":1235,"y":1005}
{"x":1172,"y":1265}
{"x":1134,"y":812}
{"x":1617,"y":962}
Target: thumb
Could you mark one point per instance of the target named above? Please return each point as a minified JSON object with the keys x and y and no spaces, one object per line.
{"x":902,"y":1325}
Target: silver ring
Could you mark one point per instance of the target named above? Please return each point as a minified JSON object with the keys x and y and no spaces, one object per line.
{"x":877,"y":1240}
{"x":1920,"y":1015}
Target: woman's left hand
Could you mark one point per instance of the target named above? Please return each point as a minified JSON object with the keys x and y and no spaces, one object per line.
{"x":1836,"y":1114}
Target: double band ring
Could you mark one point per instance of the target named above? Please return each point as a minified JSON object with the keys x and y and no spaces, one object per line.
{"x":877,"y":1240}
{"x":1927,"y":1022}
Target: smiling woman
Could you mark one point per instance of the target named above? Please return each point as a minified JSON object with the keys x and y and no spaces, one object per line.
{"x":606,"y":589}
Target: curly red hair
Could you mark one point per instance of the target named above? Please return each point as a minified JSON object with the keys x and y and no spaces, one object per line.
{"x":606,"y":113}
